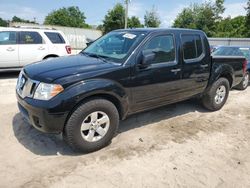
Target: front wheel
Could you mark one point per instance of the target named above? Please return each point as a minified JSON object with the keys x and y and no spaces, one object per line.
{"x":215,"y":98}
{"x":91,"y":126}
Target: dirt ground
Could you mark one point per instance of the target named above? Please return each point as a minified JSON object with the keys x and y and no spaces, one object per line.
{"x":180,"y":145}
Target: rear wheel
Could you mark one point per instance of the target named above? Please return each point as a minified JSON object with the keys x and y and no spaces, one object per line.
{"x":217,"y":95}
{"x":92,"y":125}
{"x":244,"y":83}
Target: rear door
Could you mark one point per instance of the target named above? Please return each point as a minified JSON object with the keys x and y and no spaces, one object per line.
{"x":196,"y":63}
{"x":8,"y":49}
{"x":160,"y":81}
{"x":32,"y":47}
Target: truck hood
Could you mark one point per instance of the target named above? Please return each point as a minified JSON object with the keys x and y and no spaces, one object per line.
{"x":52,"y":69}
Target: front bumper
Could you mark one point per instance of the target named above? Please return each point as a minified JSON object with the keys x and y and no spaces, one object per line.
{"x":41,"y":115}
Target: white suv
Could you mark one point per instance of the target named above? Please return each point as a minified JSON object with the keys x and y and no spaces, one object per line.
{"x":22,"y":46}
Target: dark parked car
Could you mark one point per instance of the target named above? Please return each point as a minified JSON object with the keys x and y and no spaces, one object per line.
{"x":85,"y":96}
{"x":236,"y":51}
{"x":246,"y":52}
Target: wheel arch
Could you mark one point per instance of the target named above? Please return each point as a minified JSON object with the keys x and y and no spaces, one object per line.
{"x":222,"y":71}
{"x":228,"y":76}
{"x":113,"y":99}
{"x":50,"y":55}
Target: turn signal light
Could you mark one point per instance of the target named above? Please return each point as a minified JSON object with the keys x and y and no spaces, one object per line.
{"x":56,"y":90}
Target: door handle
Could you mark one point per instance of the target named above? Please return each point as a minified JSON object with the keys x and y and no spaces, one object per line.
{"x":10,"y":49}
{"x":204,"y":66}
{"x":175,"y":70}
{"x":41,"y":48}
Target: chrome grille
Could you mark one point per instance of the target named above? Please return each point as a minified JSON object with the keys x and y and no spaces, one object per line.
{"x":25,"y":86}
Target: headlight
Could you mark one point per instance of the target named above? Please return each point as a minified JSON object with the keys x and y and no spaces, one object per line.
{"x":18,"y":85}
{"x":47,"y":91}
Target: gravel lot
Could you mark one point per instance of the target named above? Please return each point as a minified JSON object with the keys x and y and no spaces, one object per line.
{"x":180,"y":145}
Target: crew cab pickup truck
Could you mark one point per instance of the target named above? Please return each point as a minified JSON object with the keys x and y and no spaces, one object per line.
{"x":122,"y":73}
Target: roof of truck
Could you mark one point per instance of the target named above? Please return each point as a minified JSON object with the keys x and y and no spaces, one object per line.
{"x":159,"y":29}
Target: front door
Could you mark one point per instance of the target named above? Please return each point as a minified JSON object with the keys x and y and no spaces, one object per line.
{"x":159,"y":81}
{"x":8,"y":49}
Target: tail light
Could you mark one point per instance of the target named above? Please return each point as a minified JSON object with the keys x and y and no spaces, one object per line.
{"x":68,"y":49}
{"x":245,"y":66}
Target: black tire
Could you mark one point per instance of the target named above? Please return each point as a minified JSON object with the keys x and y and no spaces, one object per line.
{"x":244,"y":83}
{"x":208,"y":98}
{"x":72,"y":132}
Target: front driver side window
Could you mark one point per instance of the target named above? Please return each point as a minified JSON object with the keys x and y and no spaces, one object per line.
{"x":163,"y":47}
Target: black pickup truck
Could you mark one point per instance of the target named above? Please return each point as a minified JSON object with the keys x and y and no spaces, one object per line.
{"x":122,"y":73}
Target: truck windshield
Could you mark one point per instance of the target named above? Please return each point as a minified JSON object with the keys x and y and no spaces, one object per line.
{"x":115,"y":45}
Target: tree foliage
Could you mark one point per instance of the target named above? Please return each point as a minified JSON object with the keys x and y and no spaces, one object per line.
{"x":247,"y":23}
{"x":134,"y":22}
{"x":70,"y":17}
{"x":17,"y":19}
{"x":201,"y":16}
{"x":115,"y":18}
{"x":3,"y":23}
{"x":218,"y":9}
{"x":231,"y":27}
{"x":151,"y":18}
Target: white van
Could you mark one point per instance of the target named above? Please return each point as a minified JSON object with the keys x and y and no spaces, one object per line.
{"x":22,"y":46}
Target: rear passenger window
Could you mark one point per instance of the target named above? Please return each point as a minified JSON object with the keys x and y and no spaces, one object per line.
{"x":192,"y":46}
{"x":55,"y":38}
{"x":7,"y":37}
{"x":163,"y":47}
{"x":29,"y":37}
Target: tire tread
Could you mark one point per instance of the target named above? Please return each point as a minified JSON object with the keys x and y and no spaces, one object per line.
{"x":208,"y":98}
{"x":69,"y":130}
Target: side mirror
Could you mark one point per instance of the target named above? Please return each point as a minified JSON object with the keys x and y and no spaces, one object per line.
{"x":147,"y":59}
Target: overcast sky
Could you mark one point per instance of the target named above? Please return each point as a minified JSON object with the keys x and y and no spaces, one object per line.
{"x":95,"y":10}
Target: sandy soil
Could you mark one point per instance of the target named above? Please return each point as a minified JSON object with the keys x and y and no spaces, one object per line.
{"x":181,"y":145}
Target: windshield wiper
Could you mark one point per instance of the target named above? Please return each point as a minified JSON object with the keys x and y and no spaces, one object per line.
{"x":96,"y":56}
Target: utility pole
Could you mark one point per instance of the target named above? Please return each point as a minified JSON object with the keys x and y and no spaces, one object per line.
{"x":126,"y":13}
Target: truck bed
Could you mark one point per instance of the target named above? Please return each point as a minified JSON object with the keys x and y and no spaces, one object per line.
{"x":235,"y":64}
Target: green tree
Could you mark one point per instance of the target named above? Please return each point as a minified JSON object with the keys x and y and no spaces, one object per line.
{"x":231,"y":27}
{"x":218,"y":9}
{"x":71,"y":17}
{"x":151,"y":18}
{"x":114,"y":19}
{"x":247,"y":23}
{"x":17,"y":19}
{"x":134,"y":22}
{"x":201,"y":16}
{"x":185,"y":19}
{"x":3,"y":23}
